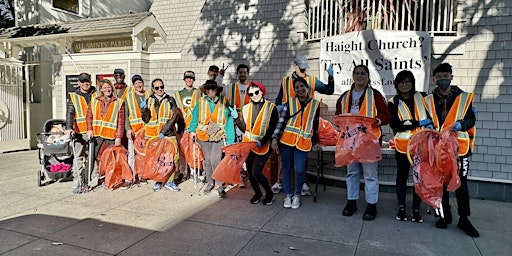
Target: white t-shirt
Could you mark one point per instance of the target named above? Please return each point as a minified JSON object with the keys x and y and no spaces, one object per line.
{"x":354,"y":106}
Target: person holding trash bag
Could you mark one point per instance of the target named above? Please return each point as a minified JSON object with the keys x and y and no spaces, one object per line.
{"x":363,"y":100}
{"x":259,"y":120}
{"x":212,"y":125}
{"x":105,"y":123}
{"x":161,"y":117}
{"x":452,"y":108}
{"x":408,"y":115}
{"x":76,"y":125}
{"x":295,"y":135}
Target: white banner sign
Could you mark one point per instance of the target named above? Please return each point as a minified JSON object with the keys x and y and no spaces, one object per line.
{"x":385,"y":52}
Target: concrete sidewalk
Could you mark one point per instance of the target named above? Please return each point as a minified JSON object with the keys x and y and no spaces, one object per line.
{"x":50,"y":220}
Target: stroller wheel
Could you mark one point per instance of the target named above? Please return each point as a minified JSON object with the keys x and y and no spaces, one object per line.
{"x":40,"y":178}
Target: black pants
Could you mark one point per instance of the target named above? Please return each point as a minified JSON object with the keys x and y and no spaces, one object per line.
{"x":255,"y":164}
{"x":402,"y":174}
{"x":462,"y":193}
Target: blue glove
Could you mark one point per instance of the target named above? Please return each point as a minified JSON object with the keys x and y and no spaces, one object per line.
{"x":474,"y":110}
{"x":425,"y":122}
{"x":143,"y":104}
{"x":258,"y":144}
{"x":280,"y":108}
{"x":430,"y":126}
{"x":330,"y":70}
{"x":457,"y":127}
{"x":161,"y":135}
{"x":234,"y":113}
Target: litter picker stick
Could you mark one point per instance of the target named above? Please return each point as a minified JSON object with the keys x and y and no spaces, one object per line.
{"x":72,"y":61}
{"x":90,"y":160}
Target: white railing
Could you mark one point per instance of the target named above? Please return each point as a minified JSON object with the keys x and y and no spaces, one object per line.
{"x":334,"y":17}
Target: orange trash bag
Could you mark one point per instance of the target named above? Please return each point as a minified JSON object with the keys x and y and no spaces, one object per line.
{"x":357,"y":142}
{"x":447,"y":159}
{"x":140,"y":164}
{"x":428,"y":181}
{"x":139,"y":142}
{"x":327,"y":135}
{"x":114,"y":165}
{"x":160,"y":159}
{"x":192,"y":151}
{"x":229,"y":167}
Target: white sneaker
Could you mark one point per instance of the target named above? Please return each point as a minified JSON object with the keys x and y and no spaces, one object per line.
{"x":287,"y":202}
{"x":295,"y":202}
{"x":276,"y":188}
{"x":305,"y":190}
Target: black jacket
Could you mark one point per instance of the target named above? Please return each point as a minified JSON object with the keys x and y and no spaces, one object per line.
{"x":396,"y":124}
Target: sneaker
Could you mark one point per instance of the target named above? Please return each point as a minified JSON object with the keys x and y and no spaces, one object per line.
{"x":222,"y":192}
{"x":371,"y":212}
{"x":208,"y":189}
{"x":143,"y":181}
{"x":416,"y":217}
{"x":466,"y":225}
{"x":269,"y":199}
{"x":442,"y":223}
{"x":276,"y":188}
{"x":401,"y":215}
{"x":171,"y":186}
{"x":305,"y":190}
{"x":287,"y":202}
{"x":126,"y":185}
{"x":255,"y":199}
{"x":350,"y":208}
{"x":157,"y":186}
{"x":295,"y":202}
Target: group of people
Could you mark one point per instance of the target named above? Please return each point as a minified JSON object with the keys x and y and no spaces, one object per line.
{"x":240,"y":112}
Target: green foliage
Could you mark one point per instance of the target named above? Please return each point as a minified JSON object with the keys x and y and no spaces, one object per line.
{"x":6,"y":13}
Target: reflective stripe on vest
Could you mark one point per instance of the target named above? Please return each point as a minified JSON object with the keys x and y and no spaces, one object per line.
{"x":255,"y":131}
{"x":187,"y":111}
{"x":206,"y":116}
{"x":289,"y":92}
{"x":401,"y":139}
{"x":234,"y":99}
{"x":367,"y":107}
{"x":457,"y":112}
{"x":80,"y":105}
{"x":158,"y":120}
{"x":105,"y":126}
{"x":299,"y":128}
{"x":135,"y":116}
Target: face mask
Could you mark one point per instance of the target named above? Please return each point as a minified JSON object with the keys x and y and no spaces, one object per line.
{"x":443,"y":83}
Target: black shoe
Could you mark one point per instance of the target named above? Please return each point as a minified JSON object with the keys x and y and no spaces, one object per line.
{"x":371,"y":212}
{"x":416,"y":217}
{"x":443,"y":222}
{"x":255,"y":199}
{"x":269,"y":199}
{"x":350,"y":208}
{"x":208,"y":189}
{"x":401,"y":215}
{"x":466,"y":225}
{"x":222,"y":192}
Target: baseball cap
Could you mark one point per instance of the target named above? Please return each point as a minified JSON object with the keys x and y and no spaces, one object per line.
{"x":301,"y":62}
{"x":135,"y":78}
{"x":189,"y":74}
{"x":84,"y":77}
{"x":119,"y":71}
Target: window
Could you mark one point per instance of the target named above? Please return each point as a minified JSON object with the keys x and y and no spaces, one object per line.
{"x":68,"y":5}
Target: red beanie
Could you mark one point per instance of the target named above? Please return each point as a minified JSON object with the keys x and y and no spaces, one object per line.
{"x":260,"y":85}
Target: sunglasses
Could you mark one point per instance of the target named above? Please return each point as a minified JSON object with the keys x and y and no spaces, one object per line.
{"x":159,"y":87}
{"x":255,"y":93}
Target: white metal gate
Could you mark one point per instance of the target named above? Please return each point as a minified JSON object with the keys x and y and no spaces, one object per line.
{"x":13,"y":114}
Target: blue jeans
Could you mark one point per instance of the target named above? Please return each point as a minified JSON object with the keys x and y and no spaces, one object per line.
{"x":371,"y":181}
{"x":291,"y":157}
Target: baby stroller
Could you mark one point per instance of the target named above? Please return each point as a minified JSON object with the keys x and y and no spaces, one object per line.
{"x":55,"y":155}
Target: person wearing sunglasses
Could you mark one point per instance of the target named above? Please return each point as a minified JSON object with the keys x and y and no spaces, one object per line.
{"x":259,"y":120}
{"x":211,"y":113}
{"x":160,"y":116}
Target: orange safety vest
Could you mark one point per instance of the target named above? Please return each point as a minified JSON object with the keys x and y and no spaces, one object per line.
{"x":187,"y":111}
{"x":457,"y":112}
{"x":299,"y":128}
{"x":402,"y":139}
{"x":135,"y":116}
{"x":206,"y":116}
{"x":289,"y":92}
{"x":368,"y":107}
{"x":80,"y":105}
{"x":105,"y":126}
{"x":158,"y":120}
{"x":234,"y":99}
{"x":255,"y":131}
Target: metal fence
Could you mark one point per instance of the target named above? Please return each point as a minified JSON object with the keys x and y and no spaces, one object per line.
{"x":335,"y":17}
